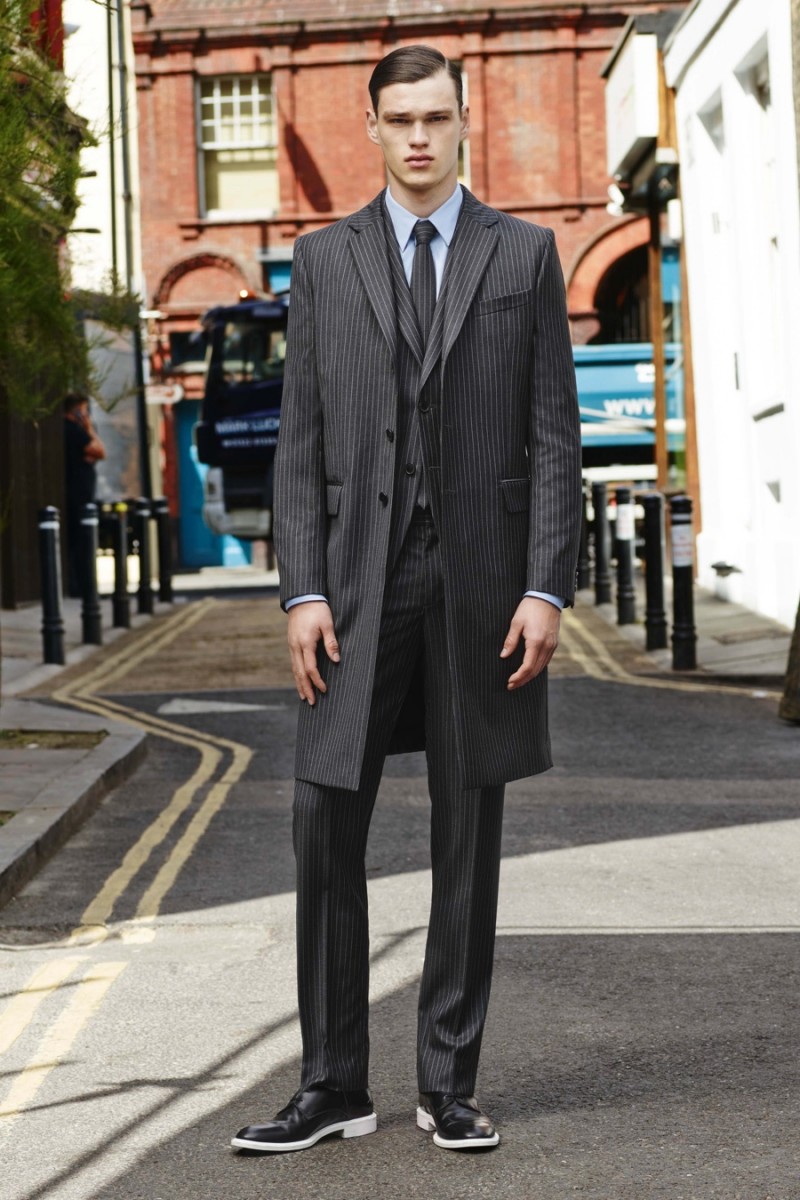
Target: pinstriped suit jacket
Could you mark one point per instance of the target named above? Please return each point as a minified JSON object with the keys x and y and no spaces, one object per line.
{"x":501,"y":447}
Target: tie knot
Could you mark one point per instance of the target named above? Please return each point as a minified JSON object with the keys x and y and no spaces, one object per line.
{"x":424,"y":232}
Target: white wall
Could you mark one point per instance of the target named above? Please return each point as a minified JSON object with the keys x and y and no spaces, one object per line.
{"x":738,"y":154}
{"x":86,"y":70}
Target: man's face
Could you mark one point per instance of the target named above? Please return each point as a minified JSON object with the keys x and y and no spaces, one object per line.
{"x":419,"y":128}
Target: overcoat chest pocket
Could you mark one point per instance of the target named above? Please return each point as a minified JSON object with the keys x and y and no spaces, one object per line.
{"x":333,"y":492}
{"x":497,"y":303}
{"x":516,"y":493}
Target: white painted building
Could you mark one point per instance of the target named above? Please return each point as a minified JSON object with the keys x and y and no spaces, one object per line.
{"x":729,"y":62}
{"x":94,"y":81}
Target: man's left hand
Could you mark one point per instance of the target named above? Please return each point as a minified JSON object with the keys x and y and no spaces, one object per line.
{"x":537,"y":623}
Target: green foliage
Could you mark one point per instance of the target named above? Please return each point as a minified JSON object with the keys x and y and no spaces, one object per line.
{"x":43,"y":351}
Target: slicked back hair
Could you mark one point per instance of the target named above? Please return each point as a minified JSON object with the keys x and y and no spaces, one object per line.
{"x":410,"y":64}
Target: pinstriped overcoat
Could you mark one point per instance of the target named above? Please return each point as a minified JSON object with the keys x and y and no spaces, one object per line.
{"x":501,"y":448}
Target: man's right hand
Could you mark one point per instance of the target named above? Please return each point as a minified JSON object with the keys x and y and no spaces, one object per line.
{"x":308,"y":623}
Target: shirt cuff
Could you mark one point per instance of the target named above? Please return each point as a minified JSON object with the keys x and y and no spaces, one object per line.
{"x":558,"y":601}
{"x":302,"y":600}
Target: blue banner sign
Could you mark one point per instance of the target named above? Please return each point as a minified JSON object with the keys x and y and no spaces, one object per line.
{"x":616,"y":396}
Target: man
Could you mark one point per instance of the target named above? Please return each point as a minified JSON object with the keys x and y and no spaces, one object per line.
{"x":82,"y":451}
{"x":426,"y":518}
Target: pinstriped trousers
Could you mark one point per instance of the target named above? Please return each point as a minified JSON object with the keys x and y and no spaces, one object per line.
{"x":330,"y":838}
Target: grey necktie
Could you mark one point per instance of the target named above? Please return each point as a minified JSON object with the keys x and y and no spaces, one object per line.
{"x":423,"y":277}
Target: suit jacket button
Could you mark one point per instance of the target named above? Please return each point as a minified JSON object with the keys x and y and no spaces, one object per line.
{"x":390,"y":434}
{"x":384,"y":499}
{"x":410,"y":469}
{"x":424,"y":406}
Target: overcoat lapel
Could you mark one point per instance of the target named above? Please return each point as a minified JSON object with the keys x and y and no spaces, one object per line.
{"x":473,"y":246}
{"x":406,"y":313}
{"x":368,"y":247}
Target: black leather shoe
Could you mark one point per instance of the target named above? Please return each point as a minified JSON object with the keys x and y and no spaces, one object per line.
{"x":311,"y":1114}
{"x":455,"y":1121}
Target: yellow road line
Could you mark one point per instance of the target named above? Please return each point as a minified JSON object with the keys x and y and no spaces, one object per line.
{"x":60,"y":1037}
{"x":616,"y":672}
{"x":20,"y":1010}
{"x":576,"y":653}
{"x":102,"y":905}
{"x":144,"y":646}
{"x":152,"y":900}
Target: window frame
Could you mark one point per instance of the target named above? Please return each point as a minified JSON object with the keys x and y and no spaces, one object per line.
{"x":201,"y":146}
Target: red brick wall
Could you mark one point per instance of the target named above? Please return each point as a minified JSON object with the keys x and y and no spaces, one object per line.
{"x":535,"y":92}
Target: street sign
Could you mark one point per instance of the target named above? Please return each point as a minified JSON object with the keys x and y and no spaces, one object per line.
{"x":163,"y":393}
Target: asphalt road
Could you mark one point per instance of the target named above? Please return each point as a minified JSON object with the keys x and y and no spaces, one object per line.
{"x":643,"y":1038}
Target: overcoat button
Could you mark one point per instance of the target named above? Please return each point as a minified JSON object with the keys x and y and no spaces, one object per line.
{"x":384,"y":499}
{"x":390,"y":434}
{"x":410,"y":469}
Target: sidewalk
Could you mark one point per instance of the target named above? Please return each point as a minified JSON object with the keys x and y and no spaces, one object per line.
{"x":734,"y":644}
{"x":56,"y":764}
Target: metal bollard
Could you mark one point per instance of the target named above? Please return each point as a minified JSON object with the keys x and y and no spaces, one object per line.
{"x":91,"y":616}
{"x":625,"y":538}
{"x":655,"y":617}
{"x":584,"y":566}
{"x":164,"y":538}
{"x":684,"y":636}
{"x":602,"y":545}
{"x":141,"y":527}
{"x":120,"y":600}
{"x":50,"y":569}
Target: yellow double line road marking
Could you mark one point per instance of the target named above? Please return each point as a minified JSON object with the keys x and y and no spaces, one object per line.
{"x":598,"y":662}
{"x":59,"y":1038}
{"x":93,"y":929}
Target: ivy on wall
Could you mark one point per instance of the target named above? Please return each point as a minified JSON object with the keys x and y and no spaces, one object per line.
{"x":43,"y":350}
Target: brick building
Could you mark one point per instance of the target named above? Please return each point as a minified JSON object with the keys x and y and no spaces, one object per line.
{"x":252,"y":132}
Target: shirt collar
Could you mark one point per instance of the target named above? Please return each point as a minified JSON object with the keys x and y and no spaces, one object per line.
{"x":444,"y":218}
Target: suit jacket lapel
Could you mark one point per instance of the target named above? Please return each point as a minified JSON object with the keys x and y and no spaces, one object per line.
{"x":406,"y":313}
{"x":474,"y":244}
{"x":368,"y":247}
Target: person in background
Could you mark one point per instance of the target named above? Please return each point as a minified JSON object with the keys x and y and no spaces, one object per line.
{"x":82,"y":450}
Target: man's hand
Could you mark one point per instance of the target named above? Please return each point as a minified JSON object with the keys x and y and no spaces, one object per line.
{"x":536,"y":622}
{"x":308,"y":622}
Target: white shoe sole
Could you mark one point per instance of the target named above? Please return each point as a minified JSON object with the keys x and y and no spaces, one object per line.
{"x":425,"y":1121}
{"x":355,"y":1128}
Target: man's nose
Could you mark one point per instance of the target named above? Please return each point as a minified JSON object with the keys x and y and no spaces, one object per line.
{"x":419,"y":134}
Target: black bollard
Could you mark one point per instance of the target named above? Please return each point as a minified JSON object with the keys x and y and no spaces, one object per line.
{"x":120,"y":600}
{"x":91,"y":616}
{"x":602,"y":545}
{"x":50,"y":569}
{"x":684,"y":636}
{"x":625,"y":542}
{"x":141,"y":527}
{"x":584,"y":566}
{"x":655,"y":617}
{"x":164,"y":538}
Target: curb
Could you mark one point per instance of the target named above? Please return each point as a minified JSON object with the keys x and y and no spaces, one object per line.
{"x":34,"y":834}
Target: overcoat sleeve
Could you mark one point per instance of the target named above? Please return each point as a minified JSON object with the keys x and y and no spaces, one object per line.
{"x":554,"y":440}
{"x":299,"y":516}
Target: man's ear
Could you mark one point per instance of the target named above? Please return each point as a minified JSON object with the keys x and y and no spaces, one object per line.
{"x":372,"y":127}
{"x":464,"y":121}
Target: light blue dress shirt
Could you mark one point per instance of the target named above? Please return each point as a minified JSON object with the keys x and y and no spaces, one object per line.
{"x":445,"y":219}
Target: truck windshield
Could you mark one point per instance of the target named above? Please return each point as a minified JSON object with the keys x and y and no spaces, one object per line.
{"x":245,"y":352}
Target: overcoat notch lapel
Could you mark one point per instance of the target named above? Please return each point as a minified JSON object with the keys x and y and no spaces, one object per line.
{"x":368,"y":247}
{"x":473,"y":246}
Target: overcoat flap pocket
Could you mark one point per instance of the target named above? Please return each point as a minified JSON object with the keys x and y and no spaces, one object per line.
{"x":496,"y":303}
{"x":516,"y":493}
{"x":333,"y":492}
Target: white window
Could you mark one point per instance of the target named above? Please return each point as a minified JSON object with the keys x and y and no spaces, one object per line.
{"x":237,"y":146}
